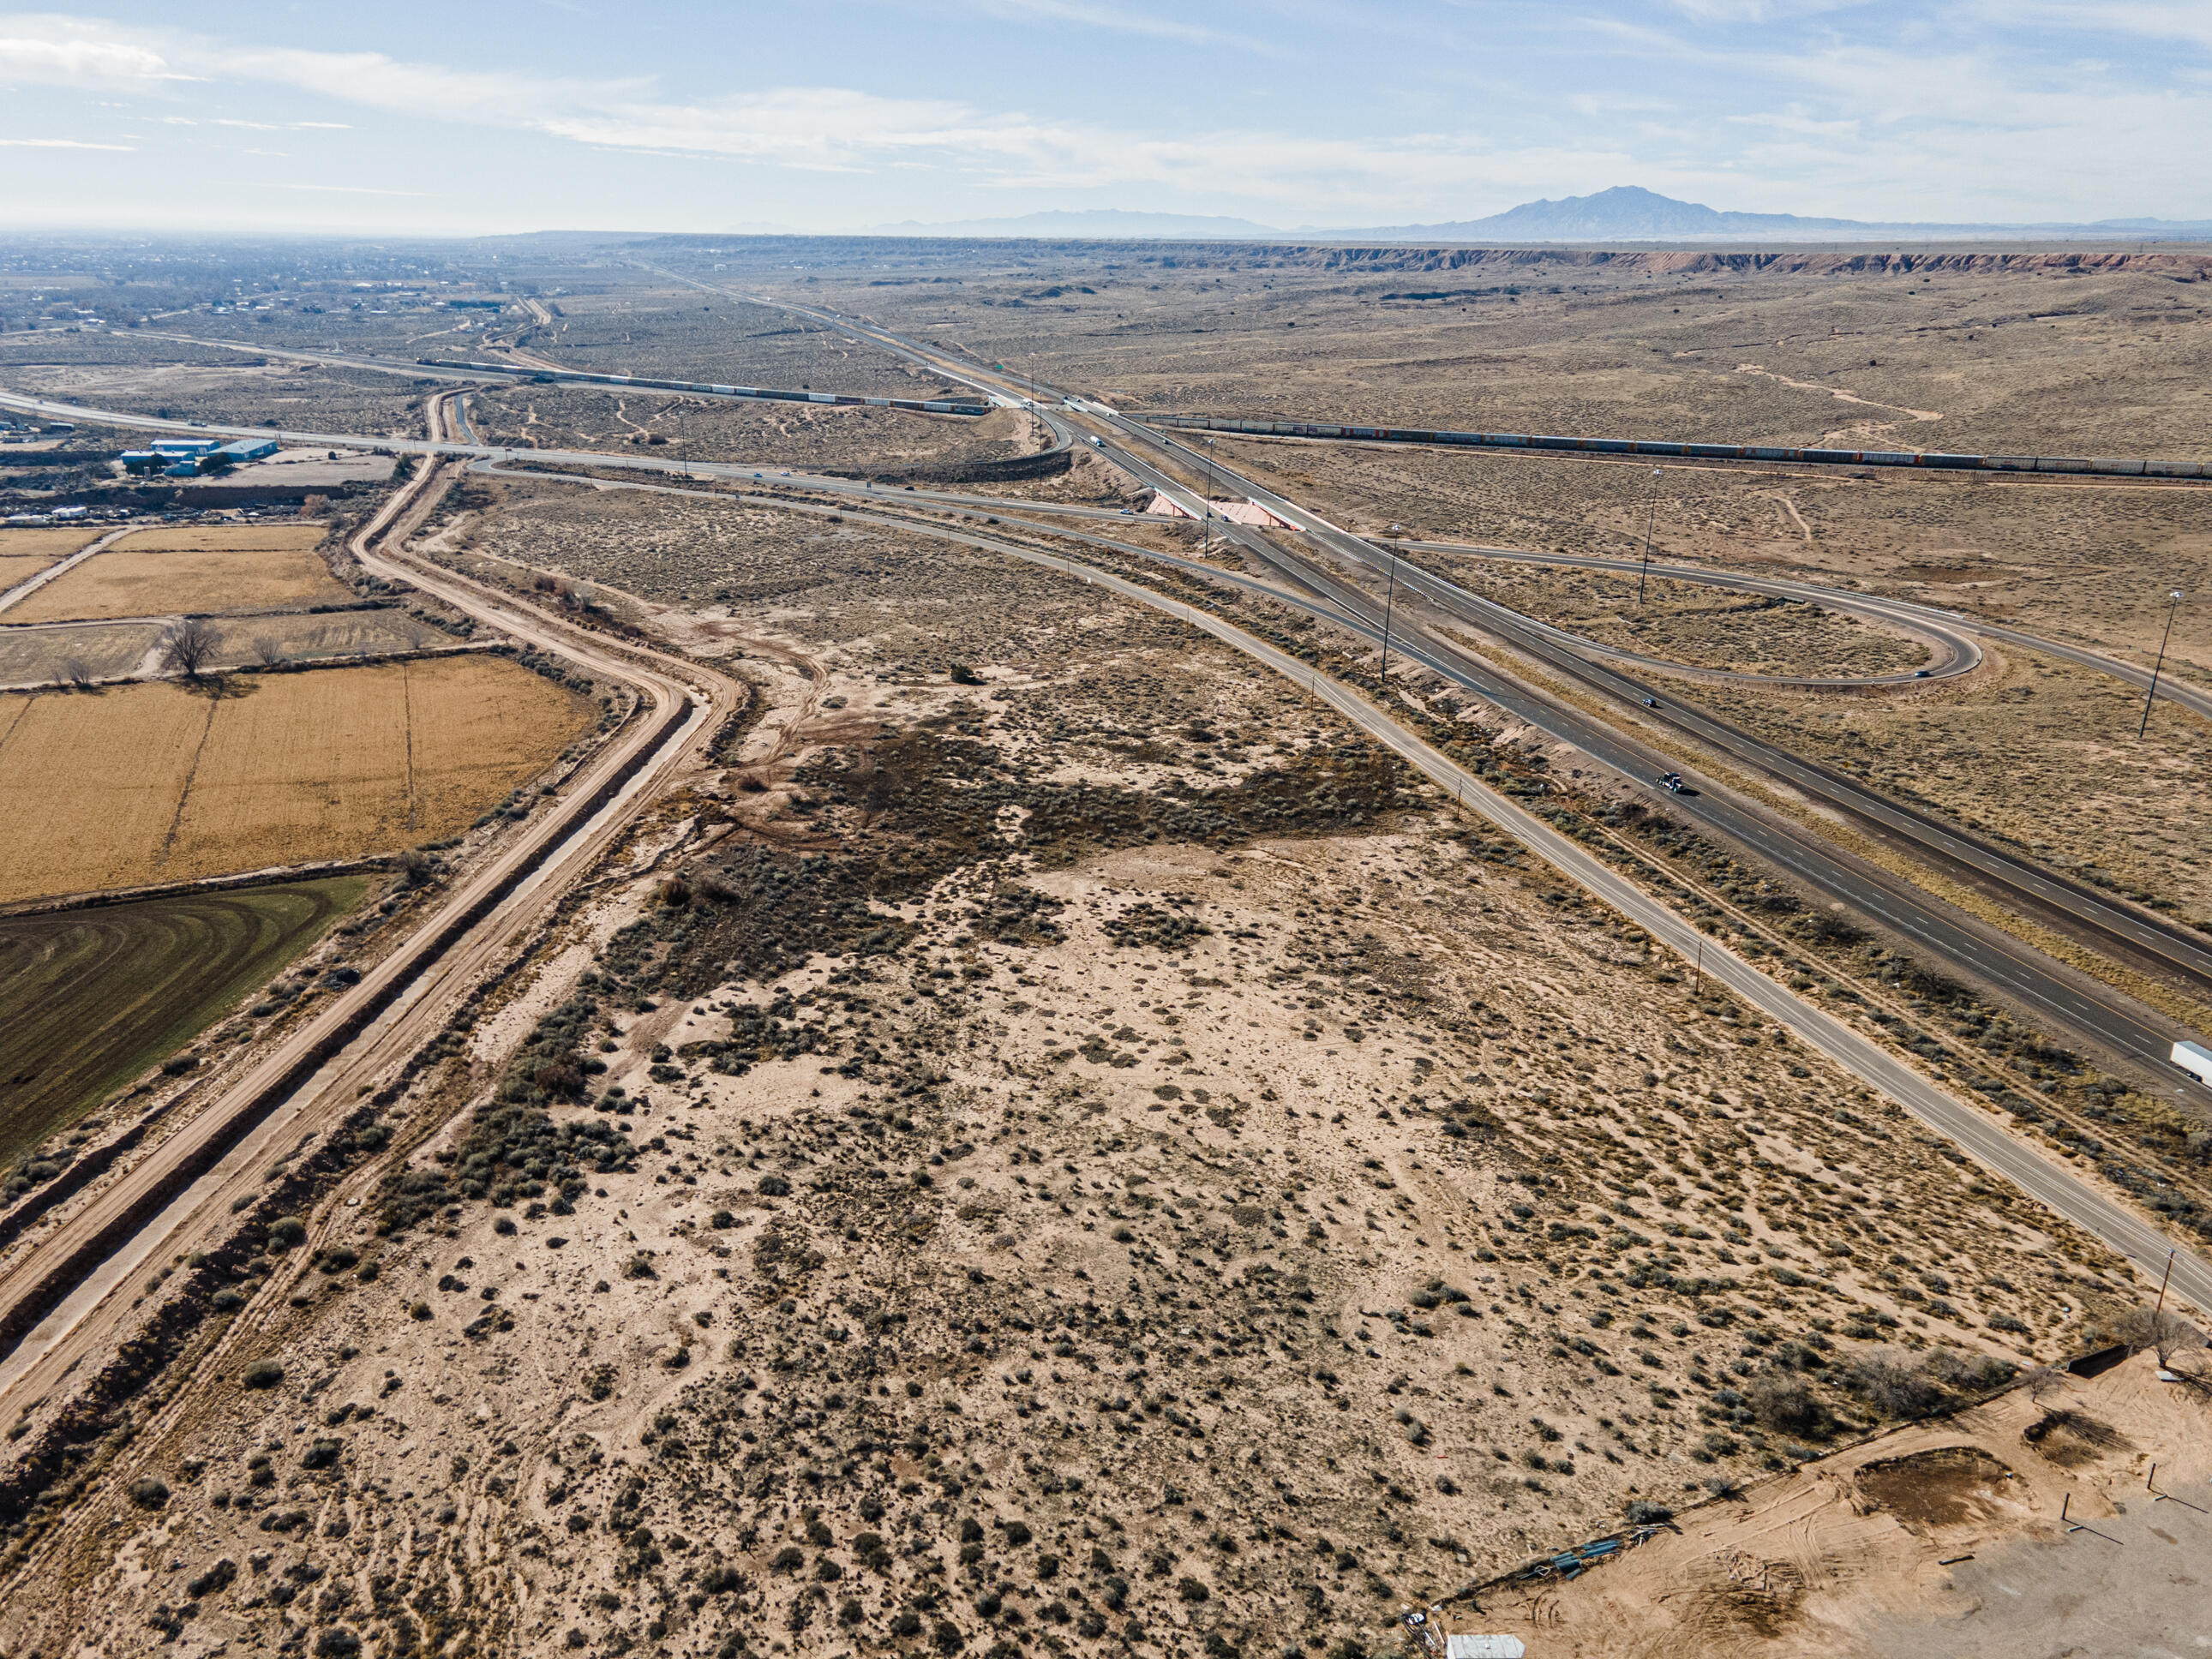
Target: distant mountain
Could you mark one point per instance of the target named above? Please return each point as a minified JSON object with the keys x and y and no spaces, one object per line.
{"x":1627,"y":213}
{"x":1096,"y":225}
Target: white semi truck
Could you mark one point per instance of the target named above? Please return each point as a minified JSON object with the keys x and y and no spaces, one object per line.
{"x":2196,"y":1060}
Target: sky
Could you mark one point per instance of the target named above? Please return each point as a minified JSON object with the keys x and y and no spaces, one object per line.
{"x":842,"y":115}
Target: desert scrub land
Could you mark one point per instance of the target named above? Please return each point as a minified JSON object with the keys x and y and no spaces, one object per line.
{"x":2089,"y":562}
{"x":815,"y":438}
{"x":1682,"y":622}
{"x":2039,"y":752}
{"x":741,"y":569}
{"x":204,"y":568}
{"x":162,"y":782}
{"x":90,"y":998}
{"x":2006,"y":354}
{"x":1085,"y":1147}
{"x":677,"y":332}
{"x":202,"y":383}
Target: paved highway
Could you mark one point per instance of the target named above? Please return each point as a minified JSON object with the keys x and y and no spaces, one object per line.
{"x":2072,"y":1001}
{"x":1876,"y":606}
{"x":2068,"y":999}
{"x":1991,"y":955}
{"x":1980,"y":1136}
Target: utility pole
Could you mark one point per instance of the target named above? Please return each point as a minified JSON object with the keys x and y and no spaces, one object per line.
{"x":2173,"y":603}
{"x":1649,"y":519}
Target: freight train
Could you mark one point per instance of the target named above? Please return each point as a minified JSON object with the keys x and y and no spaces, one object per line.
{"x":1664,"y":449}
{"x":517,"y":371}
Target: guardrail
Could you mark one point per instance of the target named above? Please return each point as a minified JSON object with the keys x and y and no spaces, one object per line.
{"x":1664,"y":449}
{"x":528,"y":371}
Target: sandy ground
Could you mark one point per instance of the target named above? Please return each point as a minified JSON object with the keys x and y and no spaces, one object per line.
{"x":1088,"y":1233}
{"x":1948,"y":1539}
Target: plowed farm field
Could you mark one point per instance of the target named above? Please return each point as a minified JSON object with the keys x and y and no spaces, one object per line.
{"x":207,"y":568}
{"x":158,"y":782}
{"x":90,"y":998}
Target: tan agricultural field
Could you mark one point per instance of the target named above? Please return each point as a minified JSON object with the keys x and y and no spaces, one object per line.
{"x":154,"y":782}
{"x":126,"y":582}
{"x":44,"y":545}
{"x":226,"y":538}
{"x":18,"y":567}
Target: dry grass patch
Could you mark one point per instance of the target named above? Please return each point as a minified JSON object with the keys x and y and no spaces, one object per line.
{"x":226,"y":538}
{"x":156,"y":782}
{"x":15,"y":568}
{"x":44,"y":545}
{"x":127,"y":581}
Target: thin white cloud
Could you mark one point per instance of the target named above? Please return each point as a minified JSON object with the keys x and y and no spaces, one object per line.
{"x":61,"y":143}
{"x":340,"y":190}
{"x":2189,"y":21}
{"x":85,"y":59}
{"x":1121,"y":21}
{"x":1788,"y":104}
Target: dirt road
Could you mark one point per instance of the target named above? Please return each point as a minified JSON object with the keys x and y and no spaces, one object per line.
{"x":66,"y":1298}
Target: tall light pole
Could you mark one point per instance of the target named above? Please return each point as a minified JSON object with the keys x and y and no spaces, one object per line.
{"x":2173,"y":605}
{"x":1206,"y":502}
{"x":1389,"y":599}
{"x":1649,"y":519}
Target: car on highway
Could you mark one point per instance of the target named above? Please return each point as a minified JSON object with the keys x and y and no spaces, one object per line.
{"x":1671,"y":782}
{"x":1652,"y":702}
{"x":1921,"y":673}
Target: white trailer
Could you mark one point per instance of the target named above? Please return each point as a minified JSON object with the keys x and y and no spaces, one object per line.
{"x":2196,"y":1060}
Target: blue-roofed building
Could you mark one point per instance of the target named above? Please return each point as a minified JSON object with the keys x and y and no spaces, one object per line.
{"x":249,"y":449}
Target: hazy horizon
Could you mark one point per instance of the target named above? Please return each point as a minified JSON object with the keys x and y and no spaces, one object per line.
{"x":693,"y":118}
